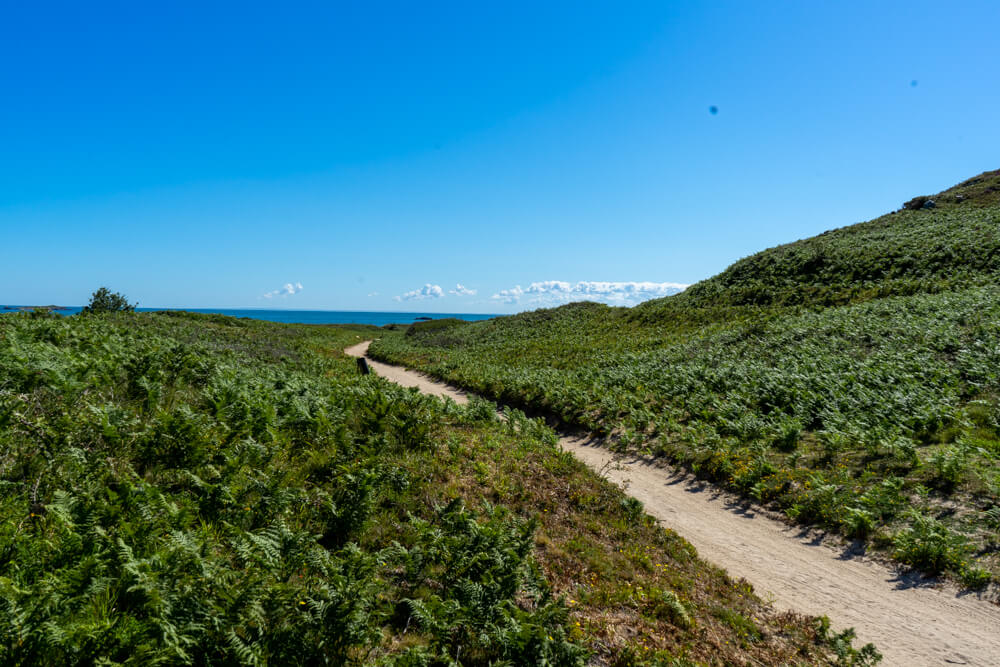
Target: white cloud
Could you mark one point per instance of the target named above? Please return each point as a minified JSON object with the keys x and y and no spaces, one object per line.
{"x":550,"y":287}
{"x":555,"y":292}
{"x":287,"y":290}
{"x":428,"y":291}
{"x":373,"y":294}
{"x":462,"y":290}
{"x":512,"y":295}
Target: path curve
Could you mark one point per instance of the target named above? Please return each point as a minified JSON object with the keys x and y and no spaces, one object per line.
{"x":911,"y":624}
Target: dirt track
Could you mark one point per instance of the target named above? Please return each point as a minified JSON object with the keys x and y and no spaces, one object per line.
{"x":911,"y":622}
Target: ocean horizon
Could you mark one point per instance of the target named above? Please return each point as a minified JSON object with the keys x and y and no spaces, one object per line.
{"x":377,"y":318}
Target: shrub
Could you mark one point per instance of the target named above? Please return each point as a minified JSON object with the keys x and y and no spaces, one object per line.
{"x":949,"y":466}
{"x":106,"y":301}
{"x":788,"y":437}
{"x":670,"y":608}
{"x":744,"y":627}
{"x":976,"y":577}
{"x":843,"y":646}
{"x":858,"y":523}
{"x":929,"y":545}
{"x":916,"y":203}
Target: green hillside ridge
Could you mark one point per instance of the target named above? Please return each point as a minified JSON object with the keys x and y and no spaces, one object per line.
{"x":849,"y":380}
{"x":946,"y":241}
{"x":196,"y":489}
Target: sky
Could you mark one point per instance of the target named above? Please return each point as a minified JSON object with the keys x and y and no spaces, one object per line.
{"x":465,"y":157}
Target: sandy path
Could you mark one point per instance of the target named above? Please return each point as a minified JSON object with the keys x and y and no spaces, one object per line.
{"x":911,"y":624}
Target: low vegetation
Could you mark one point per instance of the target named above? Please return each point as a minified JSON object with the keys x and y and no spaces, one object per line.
{"x":199,"y":489}
{"x":849,"y":380}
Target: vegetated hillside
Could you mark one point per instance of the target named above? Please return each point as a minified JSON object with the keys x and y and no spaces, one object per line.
{"x":879,"y":417}
{"x":934,"y":243}
{"x":197,"y":489}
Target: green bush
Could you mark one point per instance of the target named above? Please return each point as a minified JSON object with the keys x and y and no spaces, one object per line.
{"x":843,"y":646}
{"x":669,"y":607}
{"x":106,"y":301}
{"x":929,"y":545}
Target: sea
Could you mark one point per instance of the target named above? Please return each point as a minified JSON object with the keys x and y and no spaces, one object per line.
{"x":378,"y":318}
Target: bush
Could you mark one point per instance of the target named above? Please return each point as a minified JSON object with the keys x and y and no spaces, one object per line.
{"x":949,"y":466}
{"x":976,"y":577}
{"x":843,"y":646}
{"x":106,"y":301}
{"x":669,"y":607}
{"x":929,"y":545}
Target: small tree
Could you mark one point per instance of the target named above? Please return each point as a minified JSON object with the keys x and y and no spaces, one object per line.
{"x":106,"y":301}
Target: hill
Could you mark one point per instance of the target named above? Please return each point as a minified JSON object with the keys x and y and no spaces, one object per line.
{"x":197,"y":489}
{"x":849,"y":380}
{"x":931,"y":244}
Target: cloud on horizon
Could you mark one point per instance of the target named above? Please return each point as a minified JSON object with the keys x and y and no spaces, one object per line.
{"x":287,"y":290}
{"x":557,"y":292}
{"x":462,"y":290}
{"x":428,"y":291}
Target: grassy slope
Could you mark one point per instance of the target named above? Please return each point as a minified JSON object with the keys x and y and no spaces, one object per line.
{"x":198,"y":489}
{"x":951,"y":245}
{"x":849,"y":379}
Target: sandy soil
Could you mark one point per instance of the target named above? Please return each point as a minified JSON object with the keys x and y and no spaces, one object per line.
{"x":912,"y":622}
{"x":408,"y":378}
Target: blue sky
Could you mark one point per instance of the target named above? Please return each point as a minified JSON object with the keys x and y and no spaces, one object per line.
{"x":459,"y":157}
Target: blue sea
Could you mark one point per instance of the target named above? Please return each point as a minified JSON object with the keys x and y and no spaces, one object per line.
{"x":304,"y":316}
